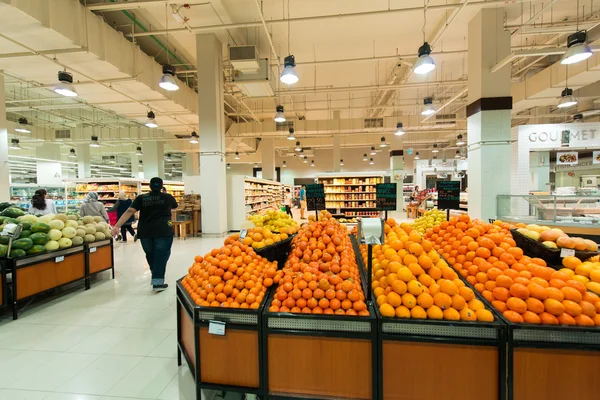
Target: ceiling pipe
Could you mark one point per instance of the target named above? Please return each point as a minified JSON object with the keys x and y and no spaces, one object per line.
{"x":534,"y":53}
{"x":536,"y":15}
{"x":374,"y":87}
{"x":461,"y":93}
{"x":132,"y":5}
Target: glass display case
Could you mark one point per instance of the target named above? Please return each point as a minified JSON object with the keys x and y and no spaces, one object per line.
{"x":21,"y":195}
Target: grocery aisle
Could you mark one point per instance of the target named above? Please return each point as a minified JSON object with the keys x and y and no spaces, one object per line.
{"x":115,"y":341}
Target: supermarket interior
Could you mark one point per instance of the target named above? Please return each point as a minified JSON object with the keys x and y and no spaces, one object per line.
{"x":276,"y":199}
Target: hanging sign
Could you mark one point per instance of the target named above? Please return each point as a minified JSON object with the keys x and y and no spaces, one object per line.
{"x":385,"y":196}
{"x":448,"y":195}
{"x":315,"y":197}
{"x":567,"y":158}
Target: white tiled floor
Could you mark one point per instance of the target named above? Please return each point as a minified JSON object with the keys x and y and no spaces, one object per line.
{"x":116,"y":341}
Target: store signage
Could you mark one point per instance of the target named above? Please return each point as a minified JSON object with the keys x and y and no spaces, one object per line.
{"x":567,"y":252}
{"x":448,"y":195}
{"x":385,"y":196}
{"x":59,"y":259}
{"x":555,"y":136}
{"x":92,"y":249}
{"x":315,"y":197}
{"x":596,"y":157}
{"x":216,"y":328}
{"x":243,"y":233}
{"x":567,"y":158}
{"x":564,"y":136}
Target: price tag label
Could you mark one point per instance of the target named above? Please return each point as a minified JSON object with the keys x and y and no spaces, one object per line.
{"x":567,"y":252}
{"x":216,"y":328}
{"x":92,"y":249}
{"x":243,"y":233}
{"x":59,"y":259}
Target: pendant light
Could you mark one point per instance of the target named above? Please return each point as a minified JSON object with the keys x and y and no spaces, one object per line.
{"x":578,"y":49}
{"x":566,"y":99}
{"x":383,"y":143}
{"x":138,"y":151}
{"x":435,"y":148}
{"x":341,"y":162}
{"x":284,"y":165}
{"x":312,"y":163}
{"x":168,"y":81}
{"x":365,"y":157}
{"x":112,"y":160}
{"x":151,"y":121}
{"x":425,"y":62}
{"x":237,"y":156}
{"x":94,"y":142}
{"x":459,"y":140}
{"x":279,"y":116}
{"x":72,"y":153}
{"x":373,"y":152}
{"x":141,"y":164}
{"x":255,"y":165}
{"x":457,"y":155}
{"x":14,"y":144}
{"x":65,"y":84}
{"x":298,"y":147}
{"x":417,"y":157}
{"x":371,"y":161}
{"x":290,"y":135}
{"x":22,"y":127}
{"x":194,"y":138}
{"x":168,"y":158}
{"x":305,"y":160}
{"x":228,"y":166}
{"x":289,"y":75}
{"x":428,"y":108}
{"x":399,"y":130}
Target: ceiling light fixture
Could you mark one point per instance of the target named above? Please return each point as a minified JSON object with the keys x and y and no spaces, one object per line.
{"x":425,"y":62}
{"x":312,"y":163}
{"x":279,"y":116}
{"x":373,"y":152}
{"x":22,"y":127}
{"x":14,"y":144}
{"x":578,"y":49}
{"x":255,"y":165}
{"x":365,"y":157}
{"x":566,"y":99}
{"x":399,"y":130}
{"x":341,"y":162}
{"x":383,"y":143}
{"x":459,"y":140}
{"x":194,"y":138}
{"x":65,"y":84}
{"x":298,"y":147}
{"x":428,"y":108}
{"x":417,"y":157}
{"x":371,"y":161}
{"x":284,"y":165}
{"x":228,"y":166}
{"x":435,"y":148}
{"x":290,"y":135}
{"x":168,"y":157}
{"x":305,"y":160}
{"x":94,"y":142}
{"x":457,"y":154}
{"x":138,"y":151}
{"x":168,"y":80}
{"x":72,"y":153}
{"x":151,"y":121}
{"x":112,"y":160}
{"x":237,"y":156}
{"x":289,"y":75}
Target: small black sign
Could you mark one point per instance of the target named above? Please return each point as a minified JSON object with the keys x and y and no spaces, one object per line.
{"x":385,"y":196}
{"x":448,"y":195}
{"x":315,"y":197}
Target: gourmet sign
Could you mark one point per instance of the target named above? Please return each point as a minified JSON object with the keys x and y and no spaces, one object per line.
{"x":555,"y":136}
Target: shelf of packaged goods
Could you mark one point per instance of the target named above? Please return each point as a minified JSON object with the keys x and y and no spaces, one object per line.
{"x":326,"y":193}
{"x":97,"y":191}
{"x":349,"y":201}
{"x":259,"y":209}
{"x":256,"y":202}
{"x":349,"y":184}
{"x":355,"y":208}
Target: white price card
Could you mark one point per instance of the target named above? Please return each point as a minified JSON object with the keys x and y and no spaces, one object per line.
{"x":567,"y":252}
{"x":216,"y":328}
{"x":59,"y":259}
{"x":92,"y":249}
{"x":243,"y":233}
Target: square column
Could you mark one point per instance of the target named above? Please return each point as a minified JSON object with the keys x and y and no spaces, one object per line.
{"x":488,"y":113}
{"x":191,"y":173}
{"x":267,"y":149}
{"x":49,"y":173}
{"x":84,"y":161}
{"x":337,"y":154}
{"x":4,"y":169}
{"x":211,"y":129}
{"x":397,"y":169}
{"x":154,"y":159}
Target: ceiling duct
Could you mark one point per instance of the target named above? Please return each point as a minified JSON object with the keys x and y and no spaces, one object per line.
{"x":443,"y":119}
{"x":373,"y":123}
{"x":258,"y":83}
{"x":62,"y":134}
{"x":244,"y":59}
{"x":284,"y":126}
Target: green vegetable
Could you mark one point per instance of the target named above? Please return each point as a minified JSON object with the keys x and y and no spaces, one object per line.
{"x":13,"y":212}
{"x":16,"y":253}
{"x":40,"y":227}
{"x":3,"y":250}
{"x":39,"y":238}
{"x":23,"y":244}
{"x":24,"y":234}
{"x":4,"y":206}
{"x":36,"y":249}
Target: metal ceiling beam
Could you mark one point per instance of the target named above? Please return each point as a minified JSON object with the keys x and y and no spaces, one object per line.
{"x":42,"y":52}
{"x":533,"y":53}
{"x":132,"y":5}
{"x":373,"y":87}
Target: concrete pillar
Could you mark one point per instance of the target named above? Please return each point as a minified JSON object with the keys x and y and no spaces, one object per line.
{"x":191,"y":173}
{"x":154,"y":159}
{"x":137,"y":170}
{"x":488,"y":113}
{"x":211,"y":129}
{"x":398,"y":170}
{"x":539,"y":166}
{"x":49,"y":173}
{"x":84,"y":158}
{"x":4,"y":169}
{"x":337,"y":153}
{"x":267,"y":150}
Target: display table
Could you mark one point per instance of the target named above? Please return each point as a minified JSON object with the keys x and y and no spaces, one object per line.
{"x":3,"y":288}
{"x":100,"y":257}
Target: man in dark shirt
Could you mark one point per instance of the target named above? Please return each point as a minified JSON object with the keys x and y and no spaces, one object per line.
{"x":155,"y":229}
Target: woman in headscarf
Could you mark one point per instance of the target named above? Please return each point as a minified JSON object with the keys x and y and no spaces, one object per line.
{"x":120,"y":207}
{"x":40,"y":205}
{"x":92,"y":207}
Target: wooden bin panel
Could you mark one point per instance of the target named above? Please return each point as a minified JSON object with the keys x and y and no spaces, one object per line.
{"x":554,"y":374}
{"x":101,"y":259}
{"x":48,"y":274}
{"x":186,"y":335}
{"x":320,"y":366}
{"x":425,"y":371}
{"x":231,"y":359}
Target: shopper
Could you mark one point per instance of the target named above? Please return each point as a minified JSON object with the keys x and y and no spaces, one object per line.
{"x":415,"y":194}
{"x":302,"y":196}
{"x":40,"y":205}
{"x":288,"y":203}
{"x":155,"y":229}
{"x":92,"y":207}
{"x":122,"y":205}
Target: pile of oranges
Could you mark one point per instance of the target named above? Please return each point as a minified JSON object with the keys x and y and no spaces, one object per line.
{"x":233,"y":276}
{"x":524,"y":289}
{"x":320,"y":275}
{"x":410,"y":280}
{"x":260,"y":237}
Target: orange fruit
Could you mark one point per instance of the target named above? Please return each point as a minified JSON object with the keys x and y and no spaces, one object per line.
{"x":548,"y":319}
{"x":434,"y":312}
{"x":415,"y":287}
{"x":520,"y":291}
{"x":516,"y":304}
{"x":418,"y":312}
{"x":402,"y":312}
{"x":554,"y":306}
{"x":408,"y":300}
{"x":499,"y":305}
{"x":513,"y":316}
{"x":448,"y":287}
{"x":501,"y":293}
{"x":467,"y":314}
{"x":566,"y":319}
{"x":476,"y":305}
{"x":425,"y":300}
{"x":584,"y":320}
{"x":451,"y":314}
{"x":572,"y":308}
{"x":484,"y":315}
{"x":554,"y":293}
{"x":534,"y":305}
{"x":394,"y":299}
{"x":442,"y":300}
{"x":531,"y":317}
{"x":588,"y":309}
{"x":387,"y":310}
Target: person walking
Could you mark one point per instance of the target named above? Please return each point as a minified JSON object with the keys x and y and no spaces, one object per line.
{"x":288,"y":203}
{"x":92,"y":207}
{"x":155,"y":229}
{"x":40,"y":205}
{"x":302,"y":196}
{"x":122,"y":205}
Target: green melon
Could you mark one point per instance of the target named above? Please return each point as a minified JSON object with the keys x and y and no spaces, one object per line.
{"x":16,"y":253}
{"x":36,"y":249}
{"x":23,"y":244}
{"x":40,"y":227}
{"x":39,"y":238}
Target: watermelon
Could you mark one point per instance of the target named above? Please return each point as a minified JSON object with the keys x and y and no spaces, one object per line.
{"x":24,"y":234}
{"x":36,"y":249}
{"x":40,"y":227}
{"x":3,"y":250}
{"x":16,"y":253}
{"x":4,"y":239}
{"x":13,"y":212}
{"x":23,"y":244}
{"x":39,"y":238}
{"x":26,"y":225}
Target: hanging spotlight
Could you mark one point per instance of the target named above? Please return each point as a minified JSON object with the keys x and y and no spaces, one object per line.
{"x":255,"y":165}
{"x":578,"y":117}
{"x":566,"y":99}
{"x":94,"y":142}
{"x":22,"y":126}
{"x":417,"y":157}
{"x":428,"y":108}
{"x":168,"y":81}
{"x":298,"y":147}
{"x":312,"y":163}
{"x":383,"y":143}
{"x":138,"y":151}
{"x":14,"y":144}
{"x":578,"y":49}
{"x":151,"y":121}
{"x":305,"y":160}
{"x":434,"y":157}
{"x":399,"y":130}
{"x":72,"y":153}
{"x":435,"y":148}
{"x":459,"y":140}
{"x":462,"y":157}
{"x":365,"y":157}
{"x":168,"y":158}
{"x":237,"y":156}
{"x":424,"y":63}
{"x":284,"y":165}
{"x":341,"y":162}
{"x":373,"y":152}
{"x":279,"y":117}
{"x":228,"y":166}
{"x":288,"y":75}
{"x":457,"y":154}
{"x":112,"y":160}
{"x":290,"y":135}
{"x":141,"y":163}
{"x":194,"y":138}
{"x":65,"y":84}
{"x":371,"y":161}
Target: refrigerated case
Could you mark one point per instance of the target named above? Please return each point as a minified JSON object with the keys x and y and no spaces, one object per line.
{"x":21,"y":195}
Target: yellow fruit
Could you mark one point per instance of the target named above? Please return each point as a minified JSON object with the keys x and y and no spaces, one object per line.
{"x":581,"y":278}
{"x":399,"y":286}
{"x":434,"y":312}
{"x":415,"y":287}
{"x":381,"y":299}
{"x":567,"y":271}
{"x":484,"y":315}
{"x":584,"y":269}
{"x":451,"y":314}
{"x":418,"y":312}
{"x":394,"y":299}
{"x":409,"y":300}
{"x":476,"y":305}
{"x":387,"y":310}
{"x":405,"y":275}
{"x":594,"y":287}
{"x":595,"y":274}
{"x":402,"y":312}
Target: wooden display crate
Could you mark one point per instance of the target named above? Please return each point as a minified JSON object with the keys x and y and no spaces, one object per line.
{"x":100,"y":257}
{"x":232,"y":362}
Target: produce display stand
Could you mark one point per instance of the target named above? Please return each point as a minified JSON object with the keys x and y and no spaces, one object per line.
{"x":3,"y":288}
{"x":229,"y":362}
{"x":277,"y":251}
{"x":100,"y":257}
